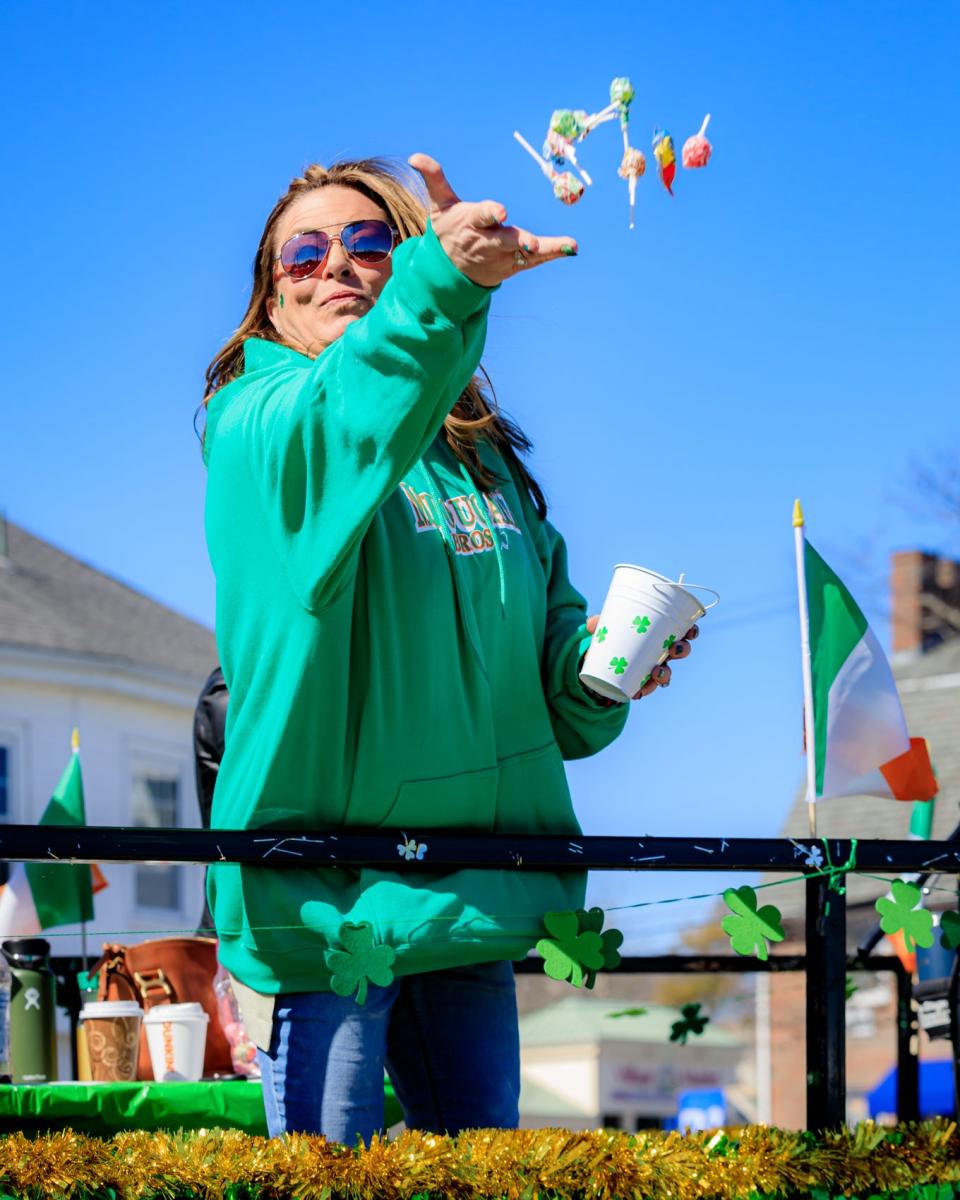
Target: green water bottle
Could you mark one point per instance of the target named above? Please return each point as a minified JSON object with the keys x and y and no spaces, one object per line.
{"x":33,"y":1009}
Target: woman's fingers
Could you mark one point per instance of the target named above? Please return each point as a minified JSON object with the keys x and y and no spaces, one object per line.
{"x":659,"y":677}
{"x":692,"y":633}
{"x":438,"y":188}
{"x":592,"y":624}
{"x":680,"y":649}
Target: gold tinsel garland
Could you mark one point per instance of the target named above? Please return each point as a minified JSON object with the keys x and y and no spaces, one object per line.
{"x":537,"y":1164}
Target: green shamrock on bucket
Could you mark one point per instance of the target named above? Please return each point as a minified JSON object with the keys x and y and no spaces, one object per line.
{"x":568,"y":951}
{"x":602,"y":634}
{"x":669,"y":642}
{"x":690,"y":1023}
{"x":950,"y":931}
{"x":619,"y":665}
{"x":642,"y":624}
{"x":359,"y":960}
{"x":901,"y":915}
{"x":747,"y":927}
{"x":592,"y":922}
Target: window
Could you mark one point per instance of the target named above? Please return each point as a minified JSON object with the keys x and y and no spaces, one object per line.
{"x":5,"y":788}
{"x":4,"y":783}
{"x":156,"y":804}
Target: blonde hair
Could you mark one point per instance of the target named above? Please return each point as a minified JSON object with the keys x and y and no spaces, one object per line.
{"x":475,"y":415}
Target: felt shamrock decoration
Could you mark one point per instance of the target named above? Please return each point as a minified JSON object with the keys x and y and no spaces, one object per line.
{"x":690,"y":1023}
{"x":359,"y":961}
{"x":748,"y":928}
{"x":950,"y":930}
{"x":568,"y":952}
{"x":901,"y":915}
{"x":612,"y":939}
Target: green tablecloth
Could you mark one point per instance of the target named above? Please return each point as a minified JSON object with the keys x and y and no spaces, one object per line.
{"x":108,"y":1108}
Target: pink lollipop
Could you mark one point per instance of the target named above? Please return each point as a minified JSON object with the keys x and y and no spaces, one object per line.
{"x":696,"y":149}
{"x":566,"y":186}
{"x":631,"y":168}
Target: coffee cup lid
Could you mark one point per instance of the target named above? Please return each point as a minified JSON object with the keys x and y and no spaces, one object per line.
{"x":191,"y":1011}
{"x":110,"y":1008}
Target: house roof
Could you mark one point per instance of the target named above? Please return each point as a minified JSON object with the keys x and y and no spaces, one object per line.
{"x":929,"y":686}
{"x":587,"y":1019}
{"x":53,"y":602}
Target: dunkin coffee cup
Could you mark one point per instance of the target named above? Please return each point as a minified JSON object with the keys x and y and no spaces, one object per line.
{"x":643,"y":615}
{"x":177,"y":1038}
{"x":111,"y":1031}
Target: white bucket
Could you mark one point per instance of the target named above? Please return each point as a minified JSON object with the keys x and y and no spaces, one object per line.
{"x":643,"y":615}
{"x":177,"y":1039}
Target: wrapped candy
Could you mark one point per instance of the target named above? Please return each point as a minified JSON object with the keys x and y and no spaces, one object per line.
{"x":569,"y":123}
{"x":566,"y":186}
{"x":696,"y":149}
{"x":666,"y":158}
{"x":631,"y":168}
{"x":559,"y":150}
{"x":621,"y":95}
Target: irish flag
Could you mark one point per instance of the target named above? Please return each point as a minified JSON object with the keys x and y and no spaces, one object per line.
{"x":40,"y":895}
{"x":861,"y":746}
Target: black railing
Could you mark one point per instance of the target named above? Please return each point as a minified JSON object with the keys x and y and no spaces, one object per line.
{"x":825,"y":962}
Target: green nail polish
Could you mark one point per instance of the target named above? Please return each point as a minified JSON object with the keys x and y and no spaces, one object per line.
{"x":281,"y":299}
{"x":569,"y":251}
{"x":526,"y":247}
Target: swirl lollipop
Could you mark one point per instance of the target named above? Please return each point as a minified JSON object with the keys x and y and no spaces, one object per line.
{"x":696,"y":149}
{"x":666,"y":158}
{"x":631,"y":168}
{"x":566,"y":186}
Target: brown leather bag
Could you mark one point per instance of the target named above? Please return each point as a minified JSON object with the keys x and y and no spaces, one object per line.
{"x":166,"y":971}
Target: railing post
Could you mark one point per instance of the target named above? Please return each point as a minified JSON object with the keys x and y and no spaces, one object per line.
{"x":826,"y":1004}
{"x":908,"y":1064}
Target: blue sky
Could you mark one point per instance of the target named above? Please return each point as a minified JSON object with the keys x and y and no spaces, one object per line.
{"x":786,"y":325}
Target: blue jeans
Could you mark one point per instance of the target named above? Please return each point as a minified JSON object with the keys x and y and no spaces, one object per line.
{"x":448,"y":1039}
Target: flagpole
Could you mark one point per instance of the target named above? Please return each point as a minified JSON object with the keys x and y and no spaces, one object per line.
{"x":75,"y":746}
{"x":808,"y":727}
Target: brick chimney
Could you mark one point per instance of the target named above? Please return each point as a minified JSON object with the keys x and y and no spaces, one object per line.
{"x":926,"y":600}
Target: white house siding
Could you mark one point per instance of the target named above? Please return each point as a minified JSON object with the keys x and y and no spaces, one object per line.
{"x":130,"y":720}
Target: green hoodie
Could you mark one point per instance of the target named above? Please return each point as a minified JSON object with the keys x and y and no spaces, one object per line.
{"x":400,"y":651}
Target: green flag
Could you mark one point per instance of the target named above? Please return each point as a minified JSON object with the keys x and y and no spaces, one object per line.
{"x":63,"y":893}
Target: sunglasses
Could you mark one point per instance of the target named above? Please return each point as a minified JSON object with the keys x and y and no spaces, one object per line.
{"x":368,"y":242}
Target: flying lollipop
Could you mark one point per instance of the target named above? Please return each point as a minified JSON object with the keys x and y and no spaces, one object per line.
{"x":621,"y":96}
{"x":566,"y":186}
{"x":696,"y":149}
{"x":666,"y":158}
{"x":559,"y":150}
{"x":630,"y":169}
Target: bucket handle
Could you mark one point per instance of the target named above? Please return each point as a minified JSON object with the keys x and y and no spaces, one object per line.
{"x":700,"y":587}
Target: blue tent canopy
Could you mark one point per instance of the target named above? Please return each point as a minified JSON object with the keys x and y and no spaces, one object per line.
{"x":936,"y":1091}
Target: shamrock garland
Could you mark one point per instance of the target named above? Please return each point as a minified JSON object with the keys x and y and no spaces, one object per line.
{"x":576,"y":949}
{"x":901,"y":915}
{"x":612,"y":939}
{"x":690,"y":1023}
{"x":748,"y":928}
{"x":359,"y":961}
{"x":950,"y":931}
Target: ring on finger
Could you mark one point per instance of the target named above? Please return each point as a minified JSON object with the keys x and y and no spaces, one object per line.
{"x":518,"y":259}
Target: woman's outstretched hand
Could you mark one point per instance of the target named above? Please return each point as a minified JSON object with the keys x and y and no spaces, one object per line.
{"x":474,"y":235}
{"x":661,"y":675}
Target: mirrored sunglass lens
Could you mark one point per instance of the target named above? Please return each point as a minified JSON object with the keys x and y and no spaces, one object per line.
{"x":369,"y":241}
{"x":302,"y":255}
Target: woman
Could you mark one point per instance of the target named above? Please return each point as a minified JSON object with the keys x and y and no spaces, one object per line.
{"x":401,"y":645}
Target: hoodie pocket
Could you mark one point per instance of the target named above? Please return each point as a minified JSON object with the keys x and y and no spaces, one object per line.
{"x":467,"y":800}
{"x":533,"y":796}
